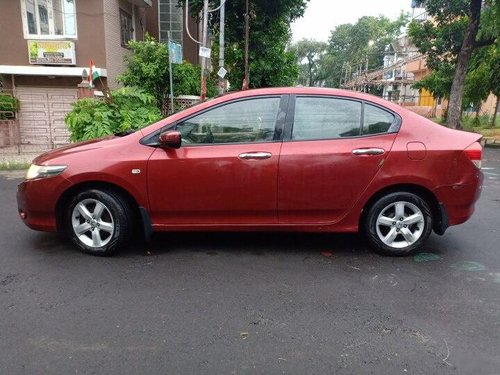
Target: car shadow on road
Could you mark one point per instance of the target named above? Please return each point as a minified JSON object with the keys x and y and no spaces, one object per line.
{"x":254,"y":243}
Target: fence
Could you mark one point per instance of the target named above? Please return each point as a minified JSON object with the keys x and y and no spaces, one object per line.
{"x":37,"y":124}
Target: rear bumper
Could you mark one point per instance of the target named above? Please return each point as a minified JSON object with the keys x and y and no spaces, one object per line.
{"x":458,"y":200}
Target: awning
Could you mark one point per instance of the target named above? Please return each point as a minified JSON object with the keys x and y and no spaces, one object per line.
{"x":56,"y":71}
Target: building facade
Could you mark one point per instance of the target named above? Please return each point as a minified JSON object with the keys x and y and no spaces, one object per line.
{"x":46,"y":46}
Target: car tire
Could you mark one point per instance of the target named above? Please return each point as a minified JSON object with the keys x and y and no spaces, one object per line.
{"x":98,"y":222}
{"x":398,"y":224}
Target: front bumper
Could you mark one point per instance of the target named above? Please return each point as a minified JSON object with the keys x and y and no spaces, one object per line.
{"x":37,"y":200}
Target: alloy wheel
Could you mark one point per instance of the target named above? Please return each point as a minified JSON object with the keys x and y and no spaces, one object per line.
{"x":400,"y":224}
{"x":92,"y":223}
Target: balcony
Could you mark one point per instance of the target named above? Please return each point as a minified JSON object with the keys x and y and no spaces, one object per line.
{"x":142,"y":3}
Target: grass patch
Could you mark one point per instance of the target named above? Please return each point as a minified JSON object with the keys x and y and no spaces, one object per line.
{"x":482,"y":127}
{"x":14,"y":166}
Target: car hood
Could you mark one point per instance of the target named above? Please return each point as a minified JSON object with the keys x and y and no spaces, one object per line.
{"x":75,"y":148}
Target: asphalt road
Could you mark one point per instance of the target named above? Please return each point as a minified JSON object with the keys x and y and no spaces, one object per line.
{"x":252,"y":303}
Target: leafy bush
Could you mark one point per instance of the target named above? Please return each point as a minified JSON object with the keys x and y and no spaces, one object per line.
{"x":147,"y":68}
{"x":127,"y":108}
{"x":8,"y":104}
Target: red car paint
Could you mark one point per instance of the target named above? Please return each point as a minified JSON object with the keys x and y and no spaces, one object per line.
{"x":314,"y":185}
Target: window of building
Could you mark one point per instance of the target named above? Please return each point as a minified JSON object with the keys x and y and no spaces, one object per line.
{"x":49,"y":19}
{"x":170,"y":19}
{"x":126,"y":28}
{"x":244,"y":121}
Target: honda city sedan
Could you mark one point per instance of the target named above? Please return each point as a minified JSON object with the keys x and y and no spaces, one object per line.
{"x":278,"y":159}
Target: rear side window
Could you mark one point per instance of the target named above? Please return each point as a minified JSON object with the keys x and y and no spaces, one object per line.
{"x":326,"y":118}
{"x":330,"y":118}
{"x":376,"y":120}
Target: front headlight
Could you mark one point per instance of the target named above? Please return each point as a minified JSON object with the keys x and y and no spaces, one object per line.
{"x":42,"y":171}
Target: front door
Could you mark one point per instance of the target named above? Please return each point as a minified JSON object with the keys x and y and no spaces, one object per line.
{"x":225,"y":171}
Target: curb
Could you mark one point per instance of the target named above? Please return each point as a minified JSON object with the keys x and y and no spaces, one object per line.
{"x":490,"y":142}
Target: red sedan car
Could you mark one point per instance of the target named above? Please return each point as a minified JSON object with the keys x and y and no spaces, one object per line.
{"x":280,"y":159}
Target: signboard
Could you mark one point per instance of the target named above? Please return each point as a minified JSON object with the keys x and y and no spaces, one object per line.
{"x":51,"y":52}
{"x":175,"y":52}
{"x":204,"y":52}
{"x":222,"y":72}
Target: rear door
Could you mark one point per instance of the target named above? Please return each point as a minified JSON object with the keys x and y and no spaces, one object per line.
{"x":333,"y":148}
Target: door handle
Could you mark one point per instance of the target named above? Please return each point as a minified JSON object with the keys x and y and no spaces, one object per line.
{"x":255,"y":155}
{"x":368,"y":151}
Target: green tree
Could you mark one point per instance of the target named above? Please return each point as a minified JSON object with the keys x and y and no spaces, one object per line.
{"x":308,"y":53}
{"x":354,"y":46}
{"x":271,"y":64}
{"x":456,"y":30}
{"x":148,"y":69}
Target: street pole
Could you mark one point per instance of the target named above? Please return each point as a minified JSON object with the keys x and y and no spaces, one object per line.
{"x":203,"y":94}
{"x":246,"y":80}
{"x":221,"y":44}
{"x":169,"y":35}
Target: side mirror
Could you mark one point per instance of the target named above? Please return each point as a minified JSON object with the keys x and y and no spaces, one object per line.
{"x":170,"y":139}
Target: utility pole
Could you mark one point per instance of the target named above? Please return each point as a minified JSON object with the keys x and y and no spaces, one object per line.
{"x":203,"y":94}
{"x":221,"y":44}
{"x":246,"y":80}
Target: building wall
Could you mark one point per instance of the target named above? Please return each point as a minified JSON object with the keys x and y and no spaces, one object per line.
{"x":14,"y":48}
{"x":114,"y":51}
{"x":90,"y":29}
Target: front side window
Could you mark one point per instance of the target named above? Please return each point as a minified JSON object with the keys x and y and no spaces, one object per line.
{"x":326,"y":118}
{"x":244,"y":121}
{"x":49,"y":18}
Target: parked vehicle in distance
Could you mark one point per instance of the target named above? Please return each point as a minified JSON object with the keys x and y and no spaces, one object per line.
{"x":278,"y":159}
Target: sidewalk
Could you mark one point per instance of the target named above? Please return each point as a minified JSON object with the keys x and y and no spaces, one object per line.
{"x":21,"y":156}
{"x":490,"y":142}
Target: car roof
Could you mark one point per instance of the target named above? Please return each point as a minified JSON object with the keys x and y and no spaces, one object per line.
{"x":303,"y":90}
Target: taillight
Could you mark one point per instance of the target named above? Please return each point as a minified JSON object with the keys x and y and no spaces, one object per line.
{"x":475,"y":153}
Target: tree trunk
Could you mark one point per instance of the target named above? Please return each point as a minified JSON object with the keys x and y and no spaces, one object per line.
{"x":495,"y":113}
{"x":468,"y":44}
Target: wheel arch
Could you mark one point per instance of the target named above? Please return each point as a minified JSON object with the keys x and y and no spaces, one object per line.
{"x":438,"y":213}
{"x":100,"y":185}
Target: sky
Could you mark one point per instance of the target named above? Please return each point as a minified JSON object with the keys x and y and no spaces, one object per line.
{"x":321,"y":16}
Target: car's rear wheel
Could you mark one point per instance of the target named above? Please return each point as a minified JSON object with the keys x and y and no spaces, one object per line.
{"x":98,"y":222}
{"x":398,"y":223}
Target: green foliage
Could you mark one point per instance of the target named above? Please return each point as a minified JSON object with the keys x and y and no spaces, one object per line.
{"x":8,"y":104}
{"x":308,"y":52}
{"x":147,"y":68}
{"x":270,"y":64}
{"x":186,"y":80}
{"x":441,"y":41}
{"x":127,"y":109}
{"x":438,"y":82}
{"x":353,"y":45}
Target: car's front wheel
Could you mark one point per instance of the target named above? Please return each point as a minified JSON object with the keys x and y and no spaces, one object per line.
{"x":98,"y":222}
{"x":398,"y":223}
